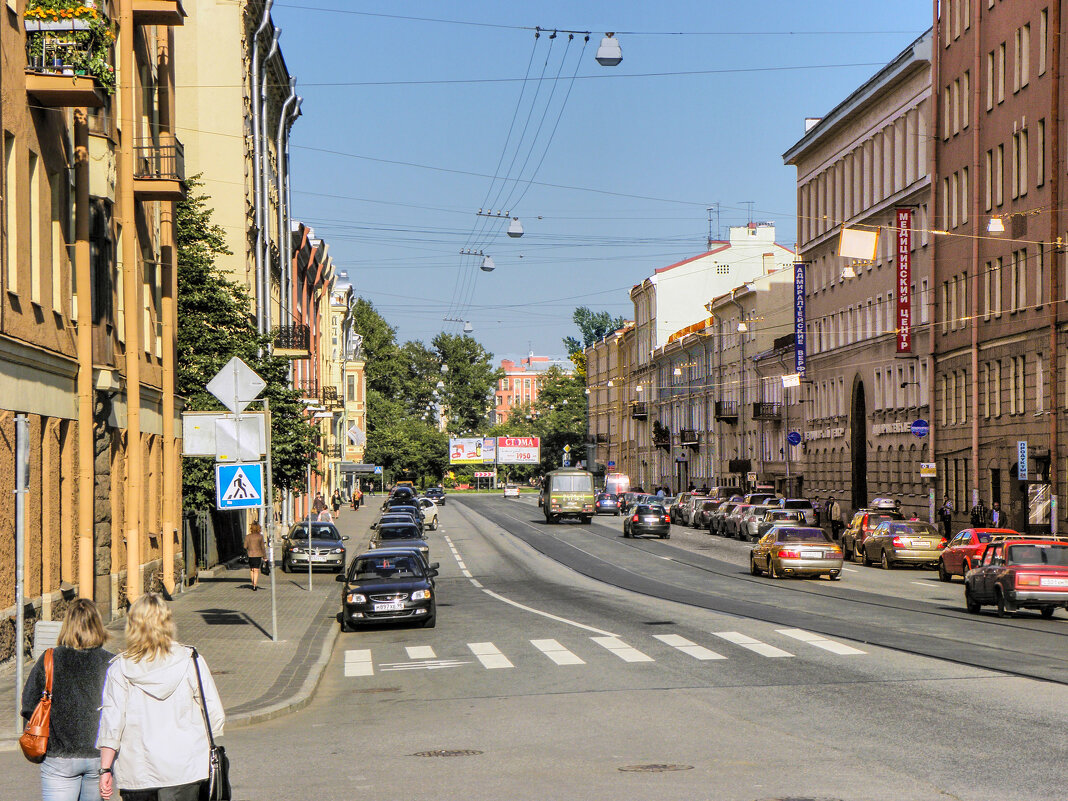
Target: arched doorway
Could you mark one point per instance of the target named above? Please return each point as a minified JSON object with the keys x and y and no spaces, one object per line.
{"x":858,"y":445}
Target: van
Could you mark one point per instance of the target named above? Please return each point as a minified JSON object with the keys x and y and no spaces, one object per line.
{"x":567,"y":492}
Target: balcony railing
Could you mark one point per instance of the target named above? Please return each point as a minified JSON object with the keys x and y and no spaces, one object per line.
{"x":163,"y":161}
{"x":308,"y":388}
{"x":727,"y":411}
{"x":293,"y":341}
{"x":329,"y":397}
{"x":662,"y":439}
{"x":639,"y":410}
{"x":688,"y":436}
{"x":767,"y":411}
{"x":332,"y":451}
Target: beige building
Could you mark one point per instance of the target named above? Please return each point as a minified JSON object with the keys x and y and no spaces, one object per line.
{"x":90,"y":176}
{"x":606,"y":383}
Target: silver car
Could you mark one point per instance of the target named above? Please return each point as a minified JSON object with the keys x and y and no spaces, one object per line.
{"x":326,"y":549}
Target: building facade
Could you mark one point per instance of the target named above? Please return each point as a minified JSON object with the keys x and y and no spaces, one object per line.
{"x":522,"y":382}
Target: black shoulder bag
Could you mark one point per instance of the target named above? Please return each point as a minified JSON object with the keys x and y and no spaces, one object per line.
{"x":217,"y":786}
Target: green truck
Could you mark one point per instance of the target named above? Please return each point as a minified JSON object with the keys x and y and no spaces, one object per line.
{"x":567,"y":492}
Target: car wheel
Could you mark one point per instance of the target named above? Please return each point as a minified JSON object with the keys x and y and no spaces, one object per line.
{"x":864,"y":555}
{"x":753,"y":569}
{"x":833,"y":576}
{"x":970,"y":603}
{"x":434,"y":525}
{"x":1047,"y":611}
{"x":665,"y":536}
{"x":345,"y":623}
{"x":942,"y":574}
{"x":773,"y":572}
{"x":885,"y":561}
{"x":430,"y":622}
{"x":626,"y":533}
{"x":1004,"y":610}
{"x":285,"y":566}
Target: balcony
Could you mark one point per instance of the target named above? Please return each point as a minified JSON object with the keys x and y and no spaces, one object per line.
{"x":292,"y":341}
{"x":69,"y":60}
{"x":639,"y":410}
{"x":329,"y":397}
{"x":689,"y":436}
{"x":159,"y":169}
{"x":767,"y":411}
{"x":158,"y":12}
{"x":727,"y":411}
{"x":332,"y":451}
{"x":308,"y":388}
{"x":602,"y":438}
{"x":661,"y":435}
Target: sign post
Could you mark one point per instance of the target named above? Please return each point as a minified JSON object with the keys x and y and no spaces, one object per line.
{"x":22,"y":475}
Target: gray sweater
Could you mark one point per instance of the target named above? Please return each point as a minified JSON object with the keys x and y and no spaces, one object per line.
{"x":77,"y":687}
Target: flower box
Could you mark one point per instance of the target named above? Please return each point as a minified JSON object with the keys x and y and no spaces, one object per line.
{"x":33,"y":25}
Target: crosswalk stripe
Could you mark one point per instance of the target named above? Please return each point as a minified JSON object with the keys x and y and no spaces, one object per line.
{"x":621,"y":649}
{"x":420,"y":652}
{"x":688,"y":647}
{"x":489,"y":655}
{"x":756,"y":646}
{"x":556,"y":652}
{"x":819,"y":641}
{"x":358,"y":663}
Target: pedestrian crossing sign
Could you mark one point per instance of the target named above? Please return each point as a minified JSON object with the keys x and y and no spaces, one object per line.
{"x":239,"y":486}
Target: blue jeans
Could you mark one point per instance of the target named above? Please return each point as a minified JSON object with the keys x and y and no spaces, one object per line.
{"x":70,"y":779}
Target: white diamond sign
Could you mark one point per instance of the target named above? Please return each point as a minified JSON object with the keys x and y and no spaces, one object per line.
{"x":236,"y":385}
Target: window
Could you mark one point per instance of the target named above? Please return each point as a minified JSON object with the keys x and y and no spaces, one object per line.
{"x":924,"y":300}
{"x":1000,"y":78}
{"x":1019,"y":365}
{"x":1043,"y":40}
{"x":946,"y":195}
{"x":947,"y":113}
{"x":999,"y":175}
{"x":1017,"y":59}
{"x":1040,"y":154}
{"x":954,"y":199}
{"x":1040,"y":277}
{"x":1019,"y":283}
{"x":987,"y":298}
{"x":1040,"y":383}
{"x":956,"y":106}
{"x":945,"y":306}
{"x":984,"y":386}
{"x":10,"y":216}
{"x":964,"y":196}
{"x":35,"y":228}
{"x":58,"y":237}
{"x":964,"y":395}
{"x":953,"y":308}
{"x":965,"y":98}
{"x":951,"y":398}
{"x":1019,"y":164}
{"x":990,"y":80}
{"x":996,"y":366}
{"x":1025,"y":54}
{"x":995,"y":280}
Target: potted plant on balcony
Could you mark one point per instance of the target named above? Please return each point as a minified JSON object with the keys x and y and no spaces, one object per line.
{"x":73,"y":37}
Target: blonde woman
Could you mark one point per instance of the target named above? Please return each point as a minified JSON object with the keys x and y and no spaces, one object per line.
{"x":71,"y":765}
{"x":153,"y":735}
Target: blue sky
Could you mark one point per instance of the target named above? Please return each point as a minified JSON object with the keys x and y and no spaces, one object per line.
{"x":610,"y":169}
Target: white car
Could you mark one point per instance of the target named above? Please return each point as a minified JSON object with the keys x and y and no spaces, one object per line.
{"x":511,"y":491}
{"x":430,"y":513}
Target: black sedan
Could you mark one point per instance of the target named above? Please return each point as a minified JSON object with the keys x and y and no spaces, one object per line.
{"x":388,"y":585}
{"x":436,"y":494}
{"x":400,"y":535}
{"x":325,"y":549}
{"x":606,"y":504}
{"x":650,"y":519}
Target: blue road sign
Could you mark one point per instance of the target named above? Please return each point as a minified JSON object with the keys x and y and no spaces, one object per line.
{"x":611,"y":464}
{"x":239,"y":486}
{"x":921,"y":428}
{"x":378,"y":470}
{"x":794,"y":438}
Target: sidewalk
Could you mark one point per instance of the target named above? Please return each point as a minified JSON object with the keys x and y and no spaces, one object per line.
{"x":230,"y":625}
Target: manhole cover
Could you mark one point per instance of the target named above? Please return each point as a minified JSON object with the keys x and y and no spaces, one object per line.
{"x":455,"y":752}
{"x":654,"y":768}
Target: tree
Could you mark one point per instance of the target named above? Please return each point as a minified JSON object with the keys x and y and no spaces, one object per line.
{"x":593,"y":327}
{"x":469,"y":382}
{"x":214,"y":325}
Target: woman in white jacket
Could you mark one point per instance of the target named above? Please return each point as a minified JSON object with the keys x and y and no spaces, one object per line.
{"x":153,"y":737}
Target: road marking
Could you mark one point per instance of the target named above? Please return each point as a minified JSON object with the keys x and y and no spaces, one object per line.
{"x":928,"y":584}
{"x":460,"y":562}
{"x":622,"y":650}
{"x":476,"y":583}
{"x":358,"y":663}
{"x":428,"y":664}
{"x":820,"y":641}
{"x":466,"y":572}
{"x":756,"y":646}
{"x":688,"y":647}
{"x":420,"y":652}
{"x":489,"y":655}
{"x":556,"y":652}
{"x":850,"y":570}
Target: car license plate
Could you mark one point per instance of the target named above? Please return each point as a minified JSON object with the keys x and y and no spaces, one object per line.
{"x":811,"y":554}
{"x":392,"y":606}
{"x":651,"y":519}
{"x":921,"y":544}
{"x":320,"y":558}
{"x":1050,"y":581}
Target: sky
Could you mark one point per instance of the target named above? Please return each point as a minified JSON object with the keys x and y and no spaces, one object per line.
{"x":417,"y":115}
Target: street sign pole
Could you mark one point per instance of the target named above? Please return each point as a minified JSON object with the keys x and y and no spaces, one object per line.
{"x":309,"y":500}
{"x":269,"y":498}
{"x":22,"y":465}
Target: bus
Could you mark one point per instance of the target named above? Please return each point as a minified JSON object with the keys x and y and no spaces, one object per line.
{"x":616,"y":483}
{"x":567,"y":492}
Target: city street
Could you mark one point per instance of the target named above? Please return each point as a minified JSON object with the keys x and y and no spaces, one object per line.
{"x":539,"y":682}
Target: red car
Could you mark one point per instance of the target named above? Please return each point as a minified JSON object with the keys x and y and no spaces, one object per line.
{"x":964,"y":550}
{"x":1020,"y":574}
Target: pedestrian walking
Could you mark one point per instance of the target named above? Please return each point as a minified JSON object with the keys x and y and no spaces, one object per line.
{"x":660,"y":493}
{"x":834,"y":515}
{"x":816,"y":510}
{"x":945,"y":513}
{"x":318,"y":504}
{"x":256,"y":550}
{"x":979,"y":514}
{"x":996,"y":515}
{"x":71,"y":767}
{"x":335,"y":501}
{"x":325,"y":516}
{"x":153,"y":735}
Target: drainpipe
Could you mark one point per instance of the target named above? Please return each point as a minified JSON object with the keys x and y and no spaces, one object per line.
{"x":285,"y":119}
{"x":741,"y":375}
{"x":257,"y":145}
{"x":263,"y":221}
{"x":84,"y":278}
{"x":932,"y":340}
{"x":1055,"y":262}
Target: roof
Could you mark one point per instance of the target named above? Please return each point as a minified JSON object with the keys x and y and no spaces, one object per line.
{"x":722,"y":247}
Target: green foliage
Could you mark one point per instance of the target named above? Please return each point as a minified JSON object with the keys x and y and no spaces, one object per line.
{"x":84,"y":51}
{"x":593,"y":326}
{"x":469,"y":382}
{"x":214,"y":325}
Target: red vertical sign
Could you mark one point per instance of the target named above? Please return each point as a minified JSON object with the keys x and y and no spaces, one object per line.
{"x":904,"y":280}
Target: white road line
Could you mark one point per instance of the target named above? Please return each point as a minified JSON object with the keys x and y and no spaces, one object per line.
{"x":928,"y":584}
{"x":549,"y":615}
{"x":489,"y":655}
{"x":756,"y":646}
{"x":621,"y":649}
{"x":420,"y":652}
{"x":850,"y":570}
{"x":358,"y":663}
{"x":466,"y":572}
{"x":460,"y":562}
{"x":476,"y":583}
{"x":556,"y":652}
{"x":688,"y":647}
{"x":820,"y":641}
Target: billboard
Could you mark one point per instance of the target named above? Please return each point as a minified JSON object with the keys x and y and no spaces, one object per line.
{"x":471,"y":450}
{"x":799,"y":320}
{"x":904,"y":280}
{"x":518,"y":450}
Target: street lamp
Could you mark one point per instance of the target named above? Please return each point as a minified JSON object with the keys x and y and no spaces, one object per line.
{"x":609,"y":54}
{"x":995,"y":226}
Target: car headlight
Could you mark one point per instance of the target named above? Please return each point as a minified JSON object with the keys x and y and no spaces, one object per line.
{"x":421,"y":595}
{"x":338,"y":550}
{"x":296,"y":549}
{"x":357,"y":598}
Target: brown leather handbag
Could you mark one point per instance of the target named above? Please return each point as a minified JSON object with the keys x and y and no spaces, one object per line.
{"x":34,"y":739}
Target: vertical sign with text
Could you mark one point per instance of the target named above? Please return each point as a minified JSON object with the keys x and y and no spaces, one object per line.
{"x":904,"y":280}
{"x":799,"y":318}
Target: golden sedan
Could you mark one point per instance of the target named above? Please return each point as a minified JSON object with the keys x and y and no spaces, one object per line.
{"x":792,"y":550}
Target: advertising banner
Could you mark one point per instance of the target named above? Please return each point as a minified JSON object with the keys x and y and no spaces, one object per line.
{"x":904,"y":280}
{"x":471,"y":450}
{"x":799,"y":319}
{"x":518,"y":450}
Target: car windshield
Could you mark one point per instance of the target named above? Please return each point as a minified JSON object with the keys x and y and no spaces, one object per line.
{"x":1038,"y":554}
{"x":401,"y":532}
{"x":781,"y":514}
{"x":874,"y":519}
{"x":914,"y":529}
{"x":727,"y":507}
{"x":324,"y":531}
{"x":801,"y":535}
{"x":385,"y":568}
{"x":797,"y":504}
{"x":576,"y":482}
{"x":649,"y":509}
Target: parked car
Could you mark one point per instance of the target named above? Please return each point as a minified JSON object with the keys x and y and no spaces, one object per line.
{"x":732,"y":525}
{"x":325,"y":549}
{"x":688,"y":507}
{"x":750,"y":522}
{"x":761,"y":497}
{"x":864,"y":522}
{"x":1020,"y":574}
{"x":802,"y":504}
{"x":963,"y":552}
{"x":402,"y":494}
{"x":430,"y":513}
{"x":650,"y":519}
{"x":787,"y":550}
{"x":777,"y":517}
{"x":511,"y":491}
{"x":703,"y":513}
{"x":437,"y":495}
{"x":389,"y":535}
{"x":388,"y":585}
{"x":396,"y":517}
{"x":627,"y":500}
{"x":673,"y":505}
{"x":606,"y":504}
{"x":903,"y":541}
{"x":717,"y":523}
